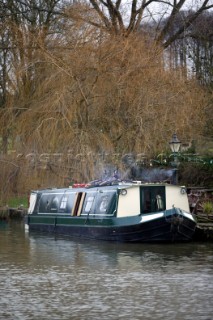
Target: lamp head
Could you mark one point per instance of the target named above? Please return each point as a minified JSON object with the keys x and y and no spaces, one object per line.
{"x":175,"y":143}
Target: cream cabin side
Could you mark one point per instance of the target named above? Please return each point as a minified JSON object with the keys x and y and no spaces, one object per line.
{"x":176,"y":196}
{"x":128,"y":202}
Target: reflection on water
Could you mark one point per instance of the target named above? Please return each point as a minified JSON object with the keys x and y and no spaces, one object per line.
{"x":48,"y":277}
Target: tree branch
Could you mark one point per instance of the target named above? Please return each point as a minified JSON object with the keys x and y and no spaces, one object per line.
{"x":101,"y":14}
{"x":176,"y":9}
{"x":187,"y":23}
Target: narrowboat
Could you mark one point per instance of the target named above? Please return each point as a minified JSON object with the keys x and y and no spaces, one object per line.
{"x":123,"y":211}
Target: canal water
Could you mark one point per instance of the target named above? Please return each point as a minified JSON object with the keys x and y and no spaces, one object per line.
{"x":48,"y":277}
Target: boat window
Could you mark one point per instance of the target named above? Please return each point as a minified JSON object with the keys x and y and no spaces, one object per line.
{"x":49,"y":203}
{"x":63,"y":204}
{"x":54,"y":204}
{"x":99,"y":203}
{"x":59,"y":203}
{"x":67,"y":203}
{"x":105,"y":203}
{"x":153,"y":199}
{"x":88,"y":204}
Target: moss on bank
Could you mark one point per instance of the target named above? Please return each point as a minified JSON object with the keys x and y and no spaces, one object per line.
{"x":14,"y":208}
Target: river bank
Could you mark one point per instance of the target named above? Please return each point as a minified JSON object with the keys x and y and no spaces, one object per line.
{"x":7,"y":213}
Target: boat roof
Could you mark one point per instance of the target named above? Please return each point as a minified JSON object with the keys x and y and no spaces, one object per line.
{"x":112,"y":186}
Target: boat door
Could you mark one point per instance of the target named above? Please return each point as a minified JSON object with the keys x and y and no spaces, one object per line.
{"x":78,"y":203}
{"x":152,"y":199}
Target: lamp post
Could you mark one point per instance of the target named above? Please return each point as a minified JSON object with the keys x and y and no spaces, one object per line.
{"x":175,"y":144}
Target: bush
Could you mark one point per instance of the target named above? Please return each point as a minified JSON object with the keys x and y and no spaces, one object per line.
{"x":207,"y":207}
{"x":196,"y":174}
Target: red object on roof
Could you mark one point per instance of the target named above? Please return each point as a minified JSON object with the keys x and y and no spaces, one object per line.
{"x":79,"y":185}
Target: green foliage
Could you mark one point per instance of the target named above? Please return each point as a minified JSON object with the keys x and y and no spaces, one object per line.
{"x":16,"y":202}
{"x":207,"y":207}
{"x":193,"y":170}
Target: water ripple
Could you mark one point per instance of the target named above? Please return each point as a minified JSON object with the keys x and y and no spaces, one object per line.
{"x":44,"y":277}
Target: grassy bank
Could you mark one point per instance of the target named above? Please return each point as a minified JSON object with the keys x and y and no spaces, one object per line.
{"x":17,"y":202}
{"x":14,"y":207}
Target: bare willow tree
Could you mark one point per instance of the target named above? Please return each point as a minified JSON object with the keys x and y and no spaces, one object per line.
{"x":94,"y":86}
{"x":200,"y":48}
{"x":170,"y":24}
{"x":25,"y":27}
{"x":108,"y":97}
{"x":125,"y":17}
